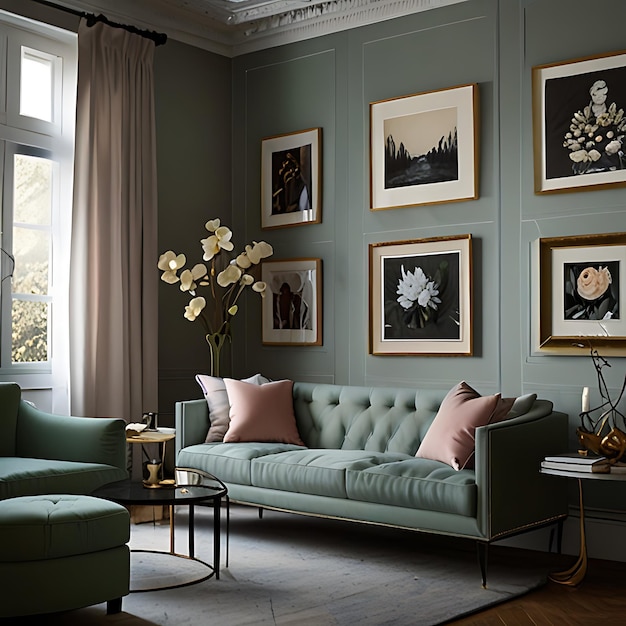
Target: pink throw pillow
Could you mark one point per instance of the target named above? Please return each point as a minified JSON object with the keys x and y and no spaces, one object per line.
{"x":214,"y":391}
{"x":450,"y":438}
{"x":261,"y":412}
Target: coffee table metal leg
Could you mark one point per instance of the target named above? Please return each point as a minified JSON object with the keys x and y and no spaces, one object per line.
{"x":172,"y":550}
{"x":217,"y":509}
{"x":192,"y":530}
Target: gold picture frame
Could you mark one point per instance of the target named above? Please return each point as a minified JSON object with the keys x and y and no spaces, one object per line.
{"x":435,"y":320}
{"x":291,"y":179}
{"x":292,"y":305}
{"x":424,"y":148}
{"x":582,"y":293}
{"x":578,"y":119}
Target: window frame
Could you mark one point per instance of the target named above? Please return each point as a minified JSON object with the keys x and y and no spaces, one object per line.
{"x":21,"y":134}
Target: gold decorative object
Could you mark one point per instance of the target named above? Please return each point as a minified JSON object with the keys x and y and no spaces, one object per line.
{"x":602,"y":435}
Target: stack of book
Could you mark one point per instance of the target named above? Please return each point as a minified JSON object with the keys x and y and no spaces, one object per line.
{"x":574,"y":462}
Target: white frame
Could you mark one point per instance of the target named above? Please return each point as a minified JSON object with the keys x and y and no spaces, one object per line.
{"x":461,"y":245}
{"x":569,"y":74}
{"x":281,"y":143}
{"x":274,"y":272}
{"x":415,"y":113}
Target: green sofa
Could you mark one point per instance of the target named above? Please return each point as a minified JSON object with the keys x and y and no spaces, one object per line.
{"x":359,"y":464}
{"x":41,"y":453}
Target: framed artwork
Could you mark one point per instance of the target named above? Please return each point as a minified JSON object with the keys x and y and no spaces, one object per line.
{"x":292,"y":306}
{"x":582,"y":292}
{"x":291,"y":179}
{"x":579,"y":125}
{"x":424,"y":148}
{"x":421,"y":297}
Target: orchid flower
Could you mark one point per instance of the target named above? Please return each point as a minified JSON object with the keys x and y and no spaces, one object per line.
{"x":189,"y":277}
{"x":170,"y":264}
{"x":225,"y":277}
{"x":219,"y":240}
{"x":229,"y":276}
{"x":194,"y":308}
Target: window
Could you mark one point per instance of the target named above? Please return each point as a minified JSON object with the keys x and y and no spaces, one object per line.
{"x":39,"y":65}
{"x":32,"y":246}
{"x":36,"y":84}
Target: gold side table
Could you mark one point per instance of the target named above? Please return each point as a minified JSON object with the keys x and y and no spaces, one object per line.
{"x":152,"y":436}
{"x":576,"y":574}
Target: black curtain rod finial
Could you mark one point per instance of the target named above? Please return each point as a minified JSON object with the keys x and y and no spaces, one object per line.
{"x":158,"y":38}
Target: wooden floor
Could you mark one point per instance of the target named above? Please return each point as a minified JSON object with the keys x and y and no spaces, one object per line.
{"x":599,"y":600}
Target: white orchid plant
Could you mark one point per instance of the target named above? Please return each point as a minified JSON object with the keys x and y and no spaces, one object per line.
{"x":225,"y":280}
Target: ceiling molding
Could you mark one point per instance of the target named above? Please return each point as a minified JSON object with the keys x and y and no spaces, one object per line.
{"x":235,"y":27}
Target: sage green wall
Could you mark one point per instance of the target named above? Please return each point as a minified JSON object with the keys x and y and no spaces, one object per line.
{"x":329,"y":82}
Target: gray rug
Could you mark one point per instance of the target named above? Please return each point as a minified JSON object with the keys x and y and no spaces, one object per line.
{"x":289,"y":569}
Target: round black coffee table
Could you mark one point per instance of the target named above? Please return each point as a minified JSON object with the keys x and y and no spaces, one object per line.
{"x":211,"y":490}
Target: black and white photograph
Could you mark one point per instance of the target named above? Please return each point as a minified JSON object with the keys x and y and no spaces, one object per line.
{"x":579,"y":123}
{"x":421,"y":296}
{"x":291,"y":179}
{"x":423,"y":148}
{"x":292,"y":304}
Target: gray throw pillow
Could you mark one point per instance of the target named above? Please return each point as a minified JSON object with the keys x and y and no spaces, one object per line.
{"x":214,"y":391}
{"x":522,"y":405}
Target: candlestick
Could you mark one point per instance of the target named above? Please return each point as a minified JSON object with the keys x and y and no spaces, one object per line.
{"x":585,"y":400}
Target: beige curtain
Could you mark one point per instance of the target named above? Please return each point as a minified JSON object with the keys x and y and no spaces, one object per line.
{"x":113,"y":276}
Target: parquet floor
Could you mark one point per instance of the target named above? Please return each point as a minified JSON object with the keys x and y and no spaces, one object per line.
{"x":599,"y":600}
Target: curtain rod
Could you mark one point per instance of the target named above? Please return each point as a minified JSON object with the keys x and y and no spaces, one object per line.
{"x":158,"y":38}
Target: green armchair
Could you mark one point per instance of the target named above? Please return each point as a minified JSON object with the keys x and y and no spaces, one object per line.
{"x":42,"y":453}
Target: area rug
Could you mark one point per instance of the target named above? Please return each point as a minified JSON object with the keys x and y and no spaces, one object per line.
{"x":288,"y":569}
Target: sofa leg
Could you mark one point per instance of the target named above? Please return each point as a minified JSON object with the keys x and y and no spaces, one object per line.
{"x":260,"y":513}
{"x":482,"y":549}
{"x":114,"y":606}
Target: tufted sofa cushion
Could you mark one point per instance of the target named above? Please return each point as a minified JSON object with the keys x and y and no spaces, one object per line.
{"x":42,"y":527}
{"x":321,"y":472}
{"x":363,"y":418}
{"x":417,"y":484}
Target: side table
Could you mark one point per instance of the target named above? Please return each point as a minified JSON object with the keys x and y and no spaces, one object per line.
{"x":159,"y":436}
{"x":576,"y":574}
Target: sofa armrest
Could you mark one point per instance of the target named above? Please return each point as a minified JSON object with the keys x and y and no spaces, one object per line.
{"x":65,"y":438}
{"x":512,"y":492}
{"x":192,"y":423}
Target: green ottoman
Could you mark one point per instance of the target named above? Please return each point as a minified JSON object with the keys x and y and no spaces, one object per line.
{"x":62,"y":552}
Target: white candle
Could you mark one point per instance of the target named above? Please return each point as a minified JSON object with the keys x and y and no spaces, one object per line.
{"x":585,"y":403}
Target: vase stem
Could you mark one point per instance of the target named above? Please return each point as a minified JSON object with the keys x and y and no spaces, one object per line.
{"x":216,"y":342}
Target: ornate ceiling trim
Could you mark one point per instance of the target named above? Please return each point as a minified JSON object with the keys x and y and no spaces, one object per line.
{"x":232,"y":28}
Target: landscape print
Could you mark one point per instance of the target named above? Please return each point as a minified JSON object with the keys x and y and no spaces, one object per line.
{"x":421,"y":148}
